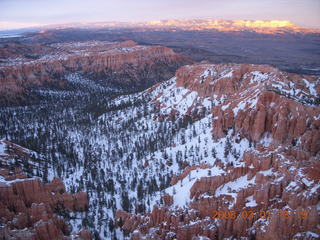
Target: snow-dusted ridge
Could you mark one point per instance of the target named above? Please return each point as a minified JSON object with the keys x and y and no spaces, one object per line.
{"x":128,"y":156}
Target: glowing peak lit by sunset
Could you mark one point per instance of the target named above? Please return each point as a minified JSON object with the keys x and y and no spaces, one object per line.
{"x":263,"y":24}
{"x":250,"y":12}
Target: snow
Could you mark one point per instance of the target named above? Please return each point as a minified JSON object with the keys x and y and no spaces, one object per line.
{"x":60,"y":93}
{"x":78,"y":79}
{"x":311,"y":87}
{"x":2,"y":148}
{"x":81,"y":44}
{"x":223,"y":108}
{"x":272,"y":104}
{"x":178,"y":98}
{"x":292,"y":186}
{"x":207,"y":103}
{"x":299,"y":95}
{"x":203,"y":238}
{"x":262,"y":223}
{"x":5,"y":182}
{"x":65,"y":51}
{"x":266,"y":140}
{"x":231,"y":188}
{"x":182,"y":188}
{"x":249,"y":103}
{"x":307,"y":182}
{"x":208,"y":72}
{"x":227,"y":74}
{"x":250,"y":202}
{"x":307,"y":235}
{"x":124,"y":129}
{"x":312,"y":234}
{"x":259,"y":77}
{"x":10,"y":35}
{"x":267,"y":172}
{"x":240,"y":106}
{"x":314,"y":189}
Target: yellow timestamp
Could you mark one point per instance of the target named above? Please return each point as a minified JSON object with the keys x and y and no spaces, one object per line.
{"x":250,"y":214}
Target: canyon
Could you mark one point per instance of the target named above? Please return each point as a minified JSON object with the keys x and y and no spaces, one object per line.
{"x":278,"y":43}
{"x":277,"y":170}
{"x":191,"y":130}
{"x":124,"y":64}
{"x":29,"y":209}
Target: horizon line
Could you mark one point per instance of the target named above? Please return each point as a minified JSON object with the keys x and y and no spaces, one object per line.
{"x":33,"y":25}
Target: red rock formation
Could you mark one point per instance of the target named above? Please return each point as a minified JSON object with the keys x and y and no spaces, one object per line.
{"x":186,"y":171}
{"x":127,"y":60}
{"x":279,"y":114}
{"x":29,"y":208}
{"x":168,"y":200}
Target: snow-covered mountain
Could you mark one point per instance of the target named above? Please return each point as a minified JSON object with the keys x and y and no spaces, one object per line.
{"x":260,"y":26}
{"x":158,"y":163}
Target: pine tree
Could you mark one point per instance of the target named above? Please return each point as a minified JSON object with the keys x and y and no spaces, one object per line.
{"x":125,"y":202}
{"x":111,"y":225}
{"x":140,"y":191}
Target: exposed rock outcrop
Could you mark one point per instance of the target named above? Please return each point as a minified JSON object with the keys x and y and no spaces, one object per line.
{"x":126,"y":64}
{"x":272,"y":190}
{"x":186,"y":171}
{"x":29,"y":209}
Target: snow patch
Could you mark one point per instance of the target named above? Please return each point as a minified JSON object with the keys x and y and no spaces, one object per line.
{"x":258,"y":77}
{"x":311,"y":87}
{"x":307,"y":235}
{"x":231,"y":188}
{"x":307,"y":182}
{"x":226,"y":74}
{"x":267,"y":172}
{"x":181,"y":190}
{"x":208,"y":72}
{"x":225,"y":107}
{"x":2,"y":148}
{"x":250,"y":202}
{"x":266,"y":140}
{"x":314,"y":189}
{"x":240,"y":106}
{"x":292,"y":186}
{"x":5,"y":182}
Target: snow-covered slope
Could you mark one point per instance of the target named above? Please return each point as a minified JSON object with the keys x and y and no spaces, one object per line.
{"x":248,"y":159}
{"x":159,"y":162}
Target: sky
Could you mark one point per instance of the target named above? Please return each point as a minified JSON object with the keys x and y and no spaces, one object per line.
{"x":20,"y":13}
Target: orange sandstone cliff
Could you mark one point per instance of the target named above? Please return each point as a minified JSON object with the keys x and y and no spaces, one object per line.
{"x":30,"y":209}
{"x":273,"y":188}
{"x":26,"y":66}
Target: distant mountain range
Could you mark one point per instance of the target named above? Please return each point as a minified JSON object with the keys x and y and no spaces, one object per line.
{"x":261,"y":26}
